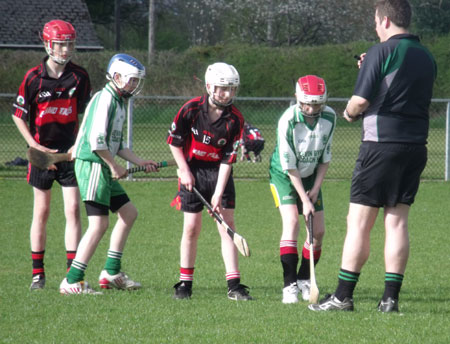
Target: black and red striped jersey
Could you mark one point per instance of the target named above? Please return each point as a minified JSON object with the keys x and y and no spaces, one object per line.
{"x":51,"y":106}
{"x":215,"y":142}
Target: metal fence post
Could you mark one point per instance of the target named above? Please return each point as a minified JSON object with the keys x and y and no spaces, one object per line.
{"x":130,"y":131}
{"x":447,"y":144}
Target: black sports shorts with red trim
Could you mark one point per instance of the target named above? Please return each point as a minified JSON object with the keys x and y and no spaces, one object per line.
{"x":43,"y":179}
{"x":205,"y":182}
{"x":387,"y":174}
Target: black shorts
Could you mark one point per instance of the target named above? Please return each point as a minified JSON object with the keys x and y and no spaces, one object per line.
{"x":97,"y":209}
{"x":205,"y":182}
{"x":43,"y":179}
{"x":387,"y":174}
{"x":255,"y":146}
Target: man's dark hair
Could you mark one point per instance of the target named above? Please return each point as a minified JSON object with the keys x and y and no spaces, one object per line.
{"x":398,"y":11}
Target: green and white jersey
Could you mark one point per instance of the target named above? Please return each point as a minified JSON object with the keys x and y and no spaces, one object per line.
{"x":301,"y":146}
{"x":102,"y":126}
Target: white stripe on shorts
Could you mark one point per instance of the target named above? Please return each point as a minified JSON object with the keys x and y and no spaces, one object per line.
{"x":94,"y":177}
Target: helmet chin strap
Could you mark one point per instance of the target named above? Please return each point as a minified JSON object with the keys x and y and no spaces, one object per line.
{"x":61,"y":63}
{"x":220,"y":105}
{"x":216,"y":102}
{"x":314,"y":115}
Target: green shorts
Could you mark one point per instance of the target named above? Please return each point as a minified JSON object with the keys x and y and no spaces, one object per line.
{"x":95,"y":182}
{"x":283,"y":191}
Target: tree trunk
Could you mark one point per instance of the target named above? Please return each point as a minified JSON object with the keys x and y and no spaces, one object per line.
{"x":270,"y":21}
{"x":117,"y":24}
{"x":151,"y":31}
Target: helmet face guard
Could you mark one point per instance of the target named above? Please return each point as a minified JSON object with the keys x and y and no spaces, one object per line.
{"x":59,"y":40}
{"x":127,"y":74}
{"x":221,"y":75}
{"x":311,"y":90}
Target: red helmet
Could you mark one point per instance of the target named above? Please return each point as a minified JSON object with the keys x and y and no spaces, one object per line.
{"x":311,"y":90}
{"x":59,"y":31}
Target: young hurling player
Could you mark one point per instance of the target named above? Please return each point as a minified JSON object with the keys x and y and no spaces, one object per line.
{"x":252,"y":141}
{"x":297,"y":169}
{"x":50,"y":98}
{"x":204,"y":139}
{"x":98,"y":142}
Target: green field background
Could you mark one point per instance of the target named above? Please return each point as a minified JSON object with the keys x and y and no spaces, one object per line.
{"x":152,"y":257}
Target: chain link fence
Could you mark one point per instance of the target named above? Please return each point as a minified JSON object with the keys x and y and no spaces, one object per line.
{"x":153,"y":115}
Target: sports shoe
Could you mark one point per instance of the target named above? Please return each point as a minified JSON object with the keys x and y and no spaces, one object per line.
{"x":239,"y":293}
{"x":118,"y":281}
{"x":331,"y":303}
{"x":257,"y":158}
{"x":290,"y":293}
{"x":305,"y":287}
{"x":182,"y":291}
{"x":390,"y":305}
{"x":81,"y":287}
{"x":38,"y":282}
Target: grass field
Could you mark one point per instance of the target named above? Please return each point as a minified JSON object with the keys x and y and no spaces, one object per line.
{"x":151,"y":256}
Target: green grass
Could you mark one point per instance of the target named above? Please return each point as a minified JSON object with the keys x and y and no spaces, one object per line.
{"x":152,"y":254}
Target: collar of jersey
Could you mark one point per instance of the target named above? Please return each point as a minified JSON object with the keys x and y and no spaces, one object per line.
{"x":298,"y":115}
{"x":113,"y":92}
{"x":205,"y":106}
{"x":44,"y":67}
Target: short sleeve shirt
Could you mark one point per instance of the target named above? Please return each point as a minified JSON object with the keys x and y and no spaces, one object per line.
{"x":102,"y":127}
{"x":300,"y":146}
{"x":51,"y":106}
{"x":205,"y":141}
{"x":397,"y":79}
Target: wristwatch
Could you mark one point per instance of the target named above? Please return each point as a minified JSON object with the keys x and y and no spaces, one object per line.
{"x":348,"y":115}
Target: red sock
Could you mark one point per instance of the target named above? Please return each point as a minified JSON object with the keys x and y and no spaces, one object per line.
{"x":38,"y":262}
{"x":187,"y":274}
{"x":70,"y":257}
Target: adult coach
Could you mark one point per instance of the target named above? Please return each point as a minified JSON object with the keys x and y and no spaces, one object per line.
{"x":204,"y":139}
{"x":297,"y":170}
{"x":392,"y":95}
{"x":50,"y":98}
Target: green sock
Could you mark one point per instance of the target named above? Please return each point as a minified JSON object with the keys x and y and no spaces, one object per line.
{"x":76,"y":272}
{"x":113,"y":264}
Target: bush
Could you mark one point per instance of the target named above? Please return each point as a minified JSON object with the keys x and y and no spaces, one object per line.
{"x":264,"y":71}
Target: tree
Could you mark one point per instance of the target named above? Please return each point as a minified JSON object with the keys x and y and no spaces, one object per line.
{"x":431,"y":17}
{"x":293,"y":22}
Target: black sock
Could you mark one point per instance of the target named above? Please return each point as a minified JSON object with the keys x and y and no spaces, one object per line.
{"x":233,"y":283}
{"x":38,"y":262}
{"x":304,"y":270}
{"x":70,"y":255}
{"x":289,"y":263}
{"x":392,"y":285}
{"x":346,"y":285}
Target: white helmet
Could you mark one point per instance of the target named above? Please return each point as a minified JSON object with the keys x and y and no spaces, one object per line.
{"x":224,"y":75}
{"x":311,"y":90}
{"x":127,"y":67}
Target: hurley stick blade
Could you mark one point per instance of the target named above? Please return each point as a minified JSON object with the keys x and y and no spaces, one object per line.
{"x":241,"y":244}
{"x":44,"y":160}
{"x":238,"y":240}
{"x":314,"y":291}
